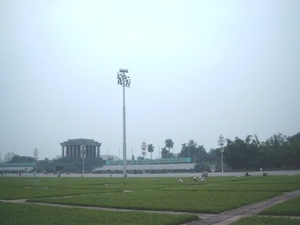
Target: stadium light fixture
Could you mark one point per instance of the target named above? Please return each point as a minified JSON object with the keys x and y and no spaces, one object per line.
{"x":221,"y":142}
{"x":125,"y":81}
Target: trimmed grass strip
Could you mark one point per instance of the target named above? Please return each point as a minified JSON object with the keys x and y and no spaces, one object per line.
{"x":288,"y":208}
{"x":184,"y":201}
{"x":257,"y":220}
{"x":20,"y":214}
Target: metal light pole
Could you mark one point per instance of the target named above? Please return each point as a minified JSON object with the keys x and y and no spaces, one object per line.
{"x":82,"y":155}
{"x":221,"y":143}
{"x":125,"y":82}
{"x":35,"y":156}
{"x":144,"y":147}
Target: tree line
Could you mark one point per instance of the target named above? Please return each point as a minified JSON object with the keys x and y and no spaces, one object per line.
{"x":277,"y":152}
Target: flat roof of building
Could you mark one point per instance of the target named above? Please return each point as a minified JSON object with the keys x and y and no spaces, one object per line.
{"x":183,"y":166}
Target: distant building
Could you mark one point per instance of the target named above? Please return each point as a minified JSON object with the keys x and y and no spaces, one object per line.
{"x":17,"y":167}
{"x":149,"y":166}
{"x":71,"y":148}
{"x":109,"y":157}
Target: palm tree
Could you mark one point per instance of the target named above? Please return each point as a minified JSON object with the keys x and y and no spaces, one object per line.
{"x":183,"y":153}
{"x":169,"y":144}
{"x":248,"y":139}
{"x":164,"y":153}
{"x":151,"y":149}
{"x":256,"y":141}
{"x":192,"y":144}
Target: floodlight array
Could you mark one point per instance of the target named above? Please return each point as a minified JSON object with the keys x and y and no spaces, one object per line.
{"x":221,"y":140}
{"x":124,"y":80}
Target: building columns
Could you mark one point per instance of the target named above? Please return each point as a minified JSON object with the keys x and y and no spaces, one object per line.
{"x":73,"y":149}
{"x":98,"y":151}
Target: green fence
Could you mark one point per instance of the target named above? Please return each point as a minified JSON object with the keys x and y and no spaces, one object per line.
{"x":32,"y":164}
{"x":150,"y":161}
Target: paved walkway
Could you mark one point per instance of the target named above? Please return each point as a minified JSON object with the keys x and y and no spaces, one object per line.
{"x":206,"y":219}
{"x":248,"y":210}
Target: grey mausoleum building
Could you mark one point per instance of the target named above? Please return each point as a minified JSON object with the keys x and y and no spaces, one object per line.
{"x":71,"y":148}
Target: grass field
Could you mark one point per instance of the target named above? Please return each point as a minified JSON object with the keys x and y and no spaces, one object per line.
{"x":215,"y":195}
{"x":13,"y":214}
{"x":257,"y":220}
{"x":288,"y":208}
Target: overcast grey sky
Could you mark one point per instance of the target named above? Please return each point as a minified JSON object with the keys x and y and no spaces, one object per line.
{"x":199,"y":69}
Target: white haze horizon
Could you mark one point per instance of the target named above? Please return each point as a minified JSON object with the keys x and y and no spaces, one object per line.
{"x":199,"y":69}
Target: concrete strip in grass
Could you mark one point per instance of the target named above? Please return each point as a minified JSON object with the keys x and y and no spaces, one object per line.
{"x":249,"y":210}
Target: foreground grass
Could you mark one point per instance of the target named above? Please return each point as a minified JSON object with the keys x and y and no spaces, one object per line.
{"x":256,"y":220}
{"x":21,"y":214}
{"x":215,"y":195}
{"x":185,"y":201}
{"x":288,"y":208}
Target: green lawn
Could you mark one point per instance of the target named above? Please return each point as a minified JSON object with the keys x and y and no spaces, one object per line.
{"x":256,"y":220}
{"x":185,"y":201}
{"x":215,"y":195}
{"x":20,"y":214}
{"x":288,"y":208}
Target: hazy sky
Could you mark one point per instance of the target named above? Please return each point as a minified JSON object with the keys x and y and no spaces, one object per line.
{"x":199,"y":69}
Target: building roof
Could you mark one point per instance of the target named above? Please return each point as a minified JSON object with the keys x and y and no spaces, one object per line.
{"x":183,"y":166}
{"x":17,"y":166}
{"x":80,"y":141}
{"x":109,"y":157}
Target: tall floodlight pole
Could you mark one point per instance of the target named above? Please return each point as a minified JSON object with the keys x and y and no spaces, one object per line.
{"x":82,"y":155}
{"x":144,"y":147}
{"x":125,"y":82}
{"x":221,"y":143}
{"x":35,"y":156}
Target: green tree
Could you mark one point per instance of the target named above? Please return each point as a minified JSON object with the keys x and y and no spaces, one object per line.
{"x":184,"y":151}
{"x":192,"y":145}
{"x":240,"y":154}
{"x":21,"y":159}
{"x":200,"y":154}
{"x":293,"y":151}
{"x":151,"y":149}
{"x":140,"y":158}
{"x":164,"y":153}
{"x":169,"y":144}
{"x":188,"y":150}
{"x":191,"y":150}
{"x":275,"y":152}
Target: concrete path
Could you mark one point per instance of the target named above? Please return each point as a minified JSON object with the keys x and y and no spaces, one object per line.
{"x":248,"y":210}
